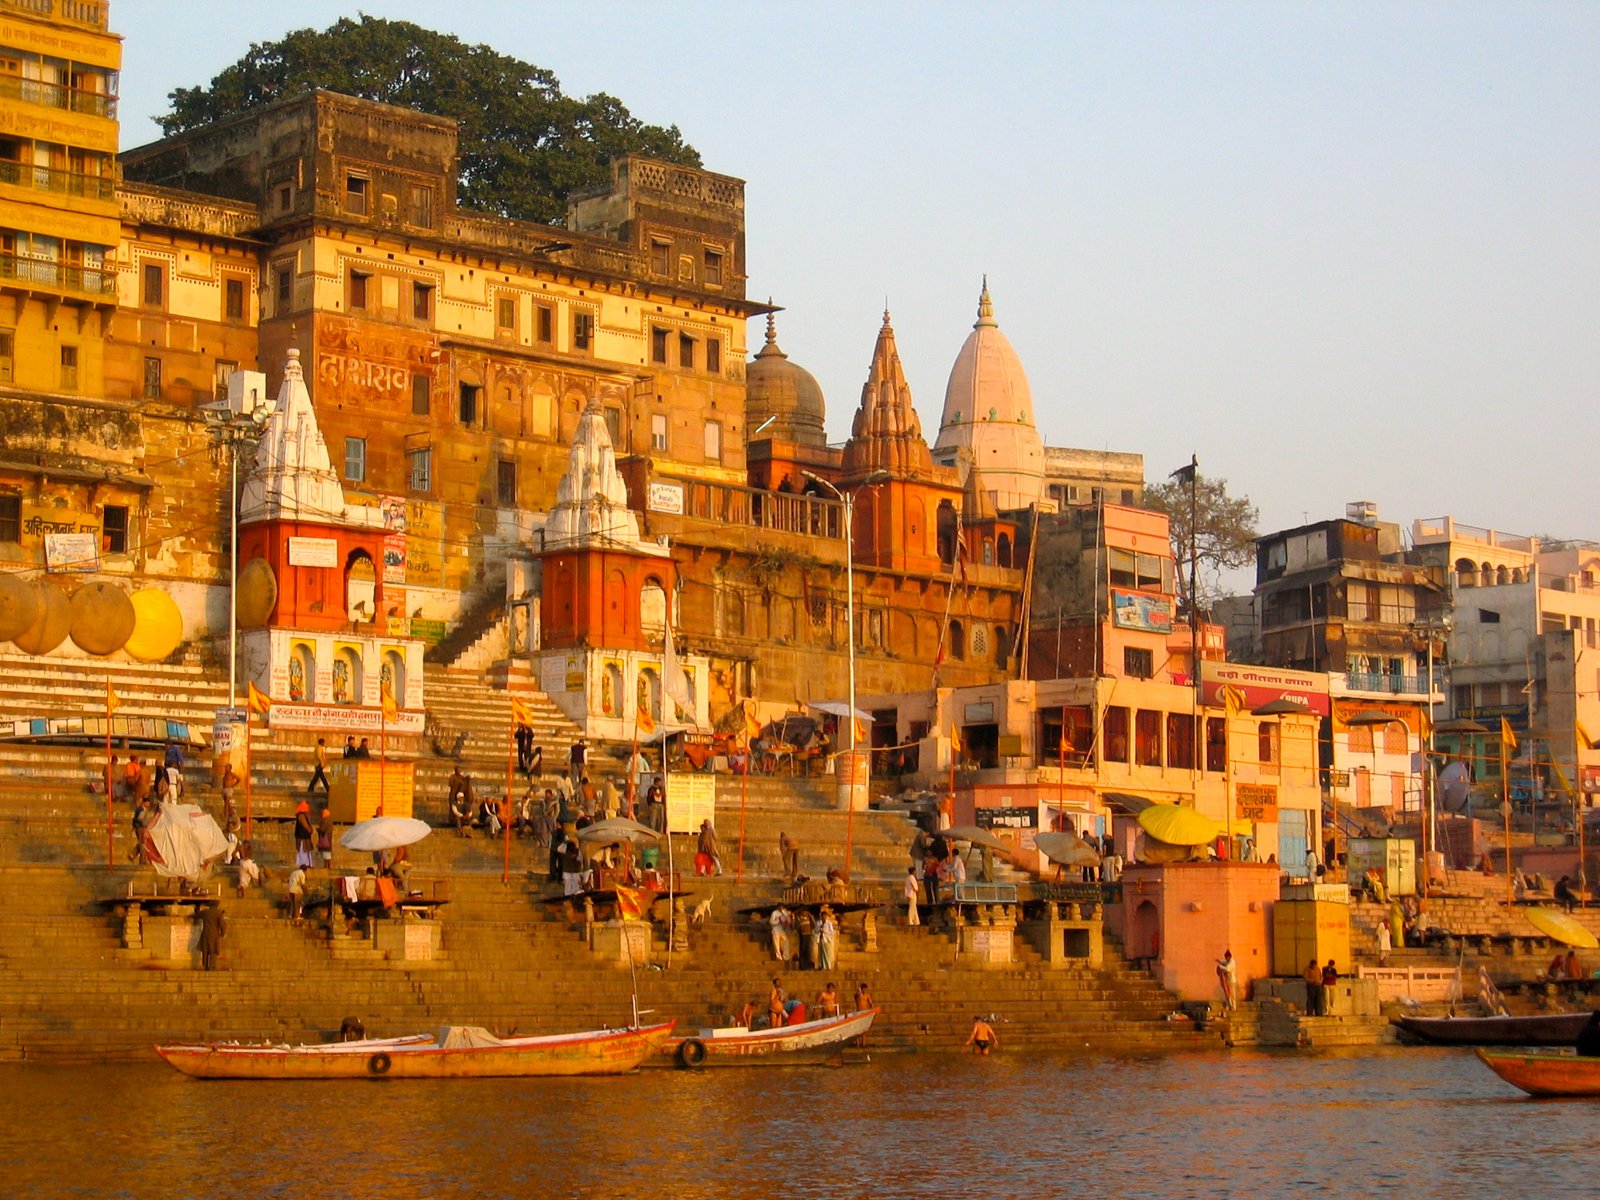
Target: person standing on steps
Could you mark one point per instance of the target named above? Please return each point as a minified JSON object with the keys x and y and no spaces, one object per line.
{"x":213,"y":927}
{"x":790,"y":849}
{"x":1330,"y":986}
{"x":1228,"y":977}
{"x":1313,"y":978}
{"x":578,"y":759}
{"x":325,"y":839}
{"x":827,"y":940}
{"x":320,"y":775}
{"x":912,"y":890}
{"x":297,"y":892}
{"x":304,"y":835}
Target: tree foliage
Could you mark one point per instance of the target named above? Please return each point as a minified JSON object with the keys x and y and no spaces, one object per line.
{"x":1225,"y":530}
{"x":524,"y":145}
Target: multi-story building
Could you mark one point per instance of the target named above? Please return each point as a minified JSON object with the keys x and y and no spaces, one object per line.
{"x":1524,"y":647}
{"x":1343,"y":597}
{"x":68,"y":486}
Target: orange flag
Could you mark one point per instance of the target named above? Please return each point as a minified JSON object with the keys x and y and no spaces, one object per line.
{"x":521,"y":713}
{"x":112,"y":701}
{"x":386,"y":702}
{"x":259,"y":701}
{"x":630,"y":906}
{"x":647,"y":723}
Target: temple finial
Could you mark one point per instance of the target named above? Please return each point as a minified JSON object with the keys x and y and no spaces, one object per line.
{"x":985,"y":306}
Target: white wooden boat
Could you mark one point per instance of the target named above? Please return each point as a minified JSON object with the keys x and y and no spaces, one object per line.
{"x":455,"y":1052}
{"x":810,"y":1042}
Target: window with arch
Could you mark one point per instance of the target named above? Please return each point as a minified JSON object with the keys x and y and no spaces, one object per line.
{"x":1004,"y":550}
{"x":653,"y":606}
{"x":360,"y":588}
{"x":958,"y":640}
{"x":1002,"y":646}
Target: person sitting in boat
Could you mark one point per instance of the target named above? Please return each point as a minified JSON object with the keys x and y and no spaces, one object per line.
{"x":796,"y":1013}
{"x":1588,"y":1043}
{"x":352,"y":1030}
{"x":744,"y":1016}
{"x":827,"y":1004}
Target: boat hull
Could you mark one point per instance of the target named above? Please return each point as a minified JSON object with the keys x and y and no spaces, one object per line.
{"x":1539,"y":1029}
{"x":605,"y":1052}
{"x":1546,"y":1072}
{"x":811,"y":1043}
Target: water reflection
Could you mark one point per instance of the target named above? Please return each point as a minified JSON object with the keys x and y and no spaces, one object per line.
{"x":1416,"y":1122}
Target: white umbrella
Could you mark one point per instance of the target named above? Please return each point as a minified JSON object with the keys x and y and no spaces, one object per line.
{"x":1066,"y":849}
{"x":617,"y":829}
{"x":182,"y":838}
{"x":838,"y":708}
{"x":384,"y":833}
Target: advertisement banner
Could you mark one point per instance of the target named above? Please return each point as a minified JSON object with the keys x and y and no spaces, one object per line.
{"x":690,"y":800}
{"x":71,"y":552}
{"x":341,"y":719}
{"x":1256,"y":802}
{"x":1262,"y":685}
{"x":1139,"y":610}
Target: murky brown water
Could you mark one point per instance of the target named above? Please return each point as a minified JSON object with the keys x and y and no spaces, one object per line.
{"x":1415,"y":1123}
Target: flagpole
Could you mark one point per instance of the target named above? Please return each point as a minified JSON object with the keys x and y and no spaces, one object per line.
{"x":247,"y":773}
{"x":1505,"y":805}
{"x":744,"y":799}
{"x":111,"y":784}
{"x":383,"y":758}
{"x":511,"y":750}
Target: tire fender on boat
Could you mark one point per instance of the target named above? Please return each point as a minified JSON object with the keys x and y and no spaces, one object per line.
{"x":691,"y":1052}
{"x":379,"y":1064}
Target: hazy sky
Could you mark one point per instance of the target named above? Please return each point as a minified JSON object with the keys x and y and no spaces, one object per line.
{"x":1340,"y":252}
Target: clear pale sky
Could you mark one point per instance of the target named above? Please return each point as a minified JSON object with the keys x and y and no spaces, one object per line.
{"x":1340,"y":252}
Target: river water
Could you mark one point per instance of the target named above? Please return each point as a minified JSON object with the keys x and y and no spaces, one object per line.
{"x":1417,"y":1123}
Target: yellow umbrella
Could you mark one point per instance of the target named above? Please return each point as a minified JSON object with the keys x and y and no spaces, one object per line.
{"x":1563,"y":928}
{"x":1178,"y":826}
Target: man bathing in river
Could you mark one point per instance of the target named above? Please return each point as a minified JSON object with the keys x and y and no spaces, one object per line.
{"x":983,"y":1038}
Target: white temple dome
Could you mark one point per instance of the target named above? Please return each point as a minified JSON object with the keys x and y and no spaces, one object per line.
{"x":988,"y":421}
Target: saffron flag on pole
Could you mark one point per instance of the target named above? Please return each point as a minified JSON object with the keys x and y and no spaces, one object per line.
{"x":1507,"y":738}
{"x":630,"y":905}
{"x":521,"y":713}
{"x":112,"y":701}
{"x":646,"y":723}
{"x":259,"y":701}
{"x":386,"y":702}
{"x":955,"y":739}
{"x":861,"y":730}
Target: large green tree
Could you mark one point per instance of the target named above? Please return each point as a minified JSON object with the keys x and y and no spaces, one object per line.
{"x":1225,"y":528}
{"x":524,"y":145}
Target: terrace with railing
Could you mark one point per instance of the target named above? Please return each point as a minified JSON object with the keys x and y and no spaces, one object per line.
{"x":62,"y":183}
{"x":58,"y":95}
{"x":58,"y":276}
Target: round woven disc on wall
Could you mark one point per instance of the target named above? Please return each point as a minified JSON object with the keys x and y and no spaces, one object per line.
{"x":157,"y":627}
{"x":258,"y":593}
{"x":19,"y":605}
{"x":102,"y":618}
{"x":50,"y":627}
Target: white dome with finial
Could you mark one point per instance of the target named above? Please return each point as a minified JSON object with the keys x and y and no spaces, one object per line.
{"x":988,"y":421}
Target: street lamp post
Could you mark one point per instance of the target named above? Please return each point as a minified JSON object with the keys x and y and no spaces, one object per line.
{"x":848,"y":500}
{"x":235,"y":427}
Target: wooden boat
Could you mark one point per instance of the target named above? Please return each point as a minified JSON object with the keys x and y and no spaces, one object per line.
{"x":455,"y":1052}
{"x":808,"y":1043}
{"x":1535,"y":1029}
{"x":1546,"y":1072}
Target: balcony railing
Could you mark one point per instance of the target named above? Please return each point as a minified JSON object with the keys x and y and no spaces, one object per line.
{"x":65,"y":183}
{"x":59,"y":276}
{"x":57,"y":95}
{"x":1365,"y":681}
{"x":82,"y":12}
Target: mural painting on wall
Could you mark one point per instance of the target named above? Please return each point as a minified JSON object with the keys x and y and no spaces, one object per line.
{"x":649,"y":693}
{"x":371,"y":366}
{"x":341,"y":681}
{"x":424,"y":561}
{"x":300,"y":653}
{"x":347,"y":681}
{"x":610,"y":687}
